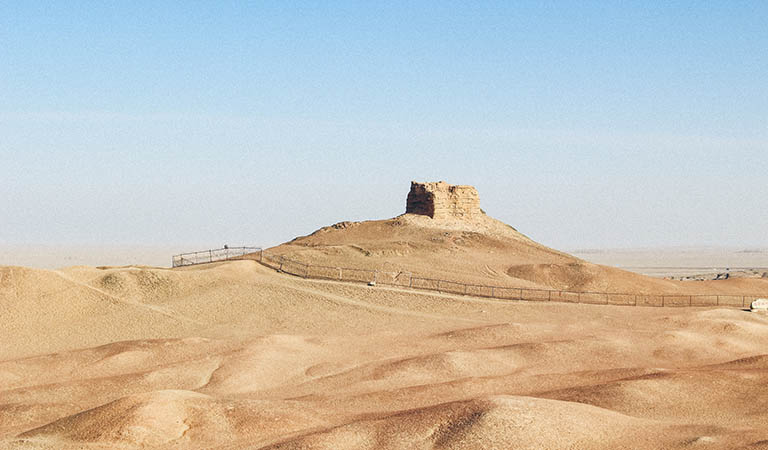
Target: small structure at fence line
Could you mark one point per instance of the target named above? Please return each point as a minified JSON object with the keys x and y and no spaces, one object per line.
{"x":208,"y":256}
{"x":408,"y":280}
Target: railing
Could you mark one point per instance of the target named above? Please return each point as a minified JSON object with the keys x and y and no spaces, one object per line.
{"x":408,"y":280}
{"x":209,"y":256}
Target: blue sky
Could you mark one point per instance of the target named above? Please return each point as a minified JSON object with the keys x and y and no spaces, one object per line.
{"x":583,"y":124}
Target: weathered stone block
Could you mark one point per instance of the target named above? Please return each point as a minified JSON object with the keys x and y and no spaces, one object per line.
{"x":441,"y":200}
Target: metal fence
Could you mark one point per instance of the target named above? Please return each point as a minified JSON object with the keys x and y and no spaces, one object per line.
{"x":407,"y":279}
{"x":209,"y":256}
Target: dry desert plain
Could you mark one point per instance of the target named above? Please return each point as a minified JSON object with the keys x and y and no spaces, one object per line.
{"x":234,"y":355}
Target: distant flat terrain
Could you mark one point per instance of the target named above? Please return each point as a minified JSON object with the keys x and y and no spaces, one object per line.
{"x":676,"y":262}
{"x":52,"y":256}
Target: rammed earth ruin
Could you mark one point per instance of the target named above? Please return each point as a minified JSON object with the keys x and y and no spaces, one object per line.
{"x":440,"y":200}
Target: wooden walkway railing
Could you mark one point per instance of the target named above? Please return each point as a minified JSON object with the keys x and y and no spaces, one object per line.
{"x":209,"y":256}
{"x":409,"y":280}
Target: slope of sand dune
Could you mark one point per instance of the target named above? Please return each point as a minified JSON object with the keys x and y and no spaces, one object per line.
{"x":236,"y":355}
{"x":487,"y":422}
{"x":445,"y":235}
{"x":479,"y":250}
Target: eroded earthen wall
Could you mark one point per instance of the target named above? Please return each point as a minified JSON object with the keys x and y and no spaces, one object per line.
{"x":441,"y":200}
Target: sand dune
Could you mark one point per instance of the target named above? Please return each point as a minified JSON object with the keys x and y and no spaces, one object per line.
{"x":496,"y":422}
{"x":235,"y":355}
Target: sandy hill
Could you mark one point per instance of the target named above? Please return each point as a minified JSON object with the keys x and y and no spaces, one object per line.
{"x":444,"y":234}
{"x":235,"y":355}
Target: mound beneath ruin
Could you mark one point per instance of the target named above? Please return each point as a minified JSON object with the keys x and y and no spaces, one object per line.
{"x":445,"y":235}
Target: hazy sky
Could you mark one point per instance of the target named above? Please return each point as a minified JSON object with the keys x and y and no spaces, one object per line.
{"x":582,"y":124}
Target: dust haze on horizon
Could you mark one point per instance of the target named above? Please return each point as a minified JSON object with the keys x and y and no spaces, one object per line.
{"x":582,"y":125}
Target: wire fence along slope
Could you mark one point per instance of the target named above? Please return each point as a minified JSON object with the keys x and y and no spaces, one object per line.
{"x":209,"y":256}
{"x":409,"y":280}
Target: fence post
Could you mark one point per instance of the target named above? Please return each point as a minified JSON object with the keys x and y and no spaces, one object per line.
{"x":690,"y":300}
{"x":662,"y":300}
{"x":521,"y":293}
{"x":261,"y":255}
{"x":549,"y":296}
{"x":578,"y":297}
{"x":339,"y":273}
{"x":410,"y":280}
{"x":438,"y":286}
{"x":306,"y":271}
{"x":493,"y":292}
{"x":376,"y":276}
{"x":210,"y":255}
{"x":743,"y":301}
{"x":635,"y":303}
{"x":282,"y":260}
{"x":717,"y":300}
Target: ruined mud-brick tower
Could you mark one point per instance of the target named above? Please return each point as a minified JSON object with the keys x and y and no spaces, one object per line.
{"x":443,"y":201}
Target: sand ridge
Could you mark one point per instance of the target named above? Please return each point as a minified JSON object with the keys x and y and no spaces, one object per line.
{"x":276,"y":361}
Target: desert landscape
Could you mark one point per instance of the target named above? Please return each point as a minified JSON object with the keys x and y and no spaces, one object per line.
{"x":237,"y":355}
{"x":222,"y":225}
